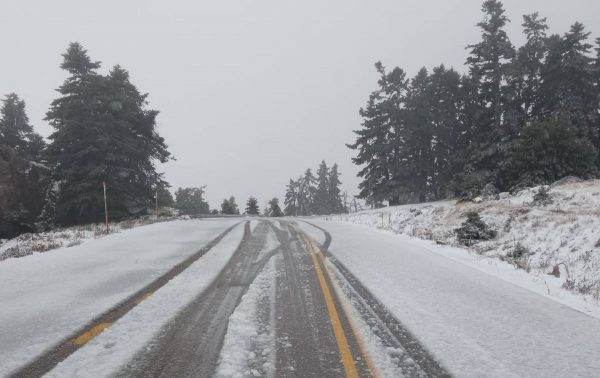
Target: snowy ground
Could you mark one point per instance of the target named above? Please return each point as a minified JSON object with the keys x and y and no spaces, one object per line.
{"x":476,"y":322}
{"x":45,"y":297}
{"x":113,"y":348}
{"x":29,"y":243}
{"x":562,"y":238}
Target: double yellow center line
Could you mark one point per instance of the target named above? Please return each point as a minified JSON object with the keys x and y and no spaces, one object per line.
{"x":338,"y":331}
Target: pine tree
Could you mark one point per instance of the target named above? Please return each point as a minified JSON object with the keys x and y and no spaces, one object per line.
{"x":103,"y":133}
{"x":191,"y":201}
{"x":15,"y":130}
{"x":418,"y":136}
{"x":549,"y":151}
{"x":252,"y":206}
{"x":322,"y":193}
{"x":291,"y":199}
{"x":488,"y":62}
{"x":378,"y":149}
{"x":530,"y":60}
{"x":333,"y":191}
{"x":568,"y":87}
{"x":306,"y":193}
{"x":274,"y":209}
{"x":229,"y":206}
{"x":448,"y":130}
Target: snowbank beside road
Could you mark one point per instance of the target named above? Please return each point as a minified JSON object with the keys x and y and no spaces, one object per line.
{"x":45,"y":297}
{"x":562,"y":238}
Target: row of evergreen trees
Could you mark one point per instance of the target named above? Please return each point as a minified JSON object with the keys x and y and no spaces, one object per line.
{"x":103,"y":132}
{"x":310,"y":195}
{"x":520,"y":117}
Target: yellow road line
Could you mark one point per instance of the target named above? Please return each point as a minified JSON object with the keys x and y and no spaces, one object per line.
{"x":353,"y":328}
{"x":93,"y":332}
{"x":338,"y":331}
{"x":142,"y":297}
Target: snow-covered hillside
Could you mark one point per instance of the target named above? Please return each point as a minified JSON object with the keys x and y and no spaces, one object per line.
{"x":561,"y":238}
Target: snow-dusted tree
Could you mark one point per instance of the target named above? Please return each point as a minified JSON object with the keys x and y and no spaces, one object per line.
{"x":274,"y":209}
{"x":291,"y":199}
{"x":229,"y":206}
{"x":252,"y":206}
{"x":334,"y":196}
{"x":378,"y":143}
{"x":191,"y":201}
{"x":15,"y":130}
{"x":102,"y":133}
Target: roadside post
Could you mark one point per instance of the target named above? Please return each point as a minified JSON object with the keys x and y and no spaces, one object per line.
{"x":105,"y":206}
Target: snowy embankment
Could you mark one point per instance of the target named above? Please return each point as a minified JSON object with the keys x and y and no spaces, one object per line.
{"x":561,"y":240}
{"x":47,"y":296}
{"x":29,"y":243}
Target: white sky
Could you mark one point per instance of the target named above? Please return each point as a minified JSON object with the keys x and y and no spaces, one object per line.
{"x":251,"y":93}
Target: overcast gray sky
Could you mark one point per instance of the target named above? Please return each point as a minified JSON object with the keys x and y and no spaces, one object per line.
{"x":251,"y":93}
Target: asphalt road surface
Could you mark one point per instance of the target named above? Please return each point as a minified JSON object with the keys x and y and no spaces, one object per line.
{"x":313,"y":330}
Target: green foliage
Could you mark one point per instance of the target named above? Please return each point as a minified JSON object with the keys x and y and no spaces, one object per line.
{"x":548,"y":151}
{"x":474,"y":229}
{"x":542,"y":197}
{"x":309,"y":195}
{"x":519,"y":118}
{"x":103,"y":132}
{"x":16,"y":132}
{"x":229,"y":206}
{"x":274,"y":209}
{"x":190,"y":201}
{"x":252,"y":206}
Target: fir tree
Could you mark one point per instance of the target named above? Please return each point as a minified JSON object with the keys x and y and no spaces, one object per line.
{"x":291,"y":199}
{"x":103,"y":133}
{"x":378,"y":149}
{"x":252,"y":206}
{"x":322,"y":193}
{"x":333,"y":191}
{"x":15,"y":130}
{"x":488,"y":62}
{"x":306,"y":193}
{"x":274,"y":209}
{"x":229,"y":206}
{"x":549,"y":151}
{"x":191,"y":201}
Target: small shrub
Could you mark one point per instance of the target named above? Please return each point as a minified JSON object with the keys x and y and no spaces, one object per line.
{"x":474,"y":229}
{"x":542,"y":197}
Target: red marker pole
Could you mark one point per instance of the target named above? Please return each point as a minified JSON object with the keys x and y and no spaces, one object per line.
{"x":105,"y":206}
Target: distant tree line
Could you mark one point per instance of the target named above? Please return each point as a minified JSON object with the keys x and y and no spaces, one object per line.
{"x":308,"y":195}
{"x":103,"y":132}
{"x":519,"y":117}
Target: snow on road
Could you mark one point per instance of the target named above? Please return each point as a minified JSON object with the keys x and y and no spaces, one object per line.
{"x":113,"y":348}
{"x":475,"y":323}
{"x":249,"y":345}
{"x":45,"y":297}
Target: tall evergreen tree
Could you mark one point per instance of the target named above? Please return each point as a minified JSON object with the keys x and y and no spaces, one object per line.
{"x":15,"y":130}
{"x":333,"y":191}
{"x":322,"y":193}
{"x":274,"y":209}
{"x":252,"y":206}
{"x":229,"y":206}
{"x":379,"y":143}
{"x":191,"y":201}
{"x":103,"y":133}
{"x":291,"y":199}
{"x":306,"y":193}
{"x":488,"y":62}
{"x":530,"y":61}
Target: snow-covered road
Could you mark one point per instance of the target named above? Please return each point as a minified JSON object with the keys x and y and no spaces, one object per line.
{"x":45,"y":297}
{"x":474,"y":323}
